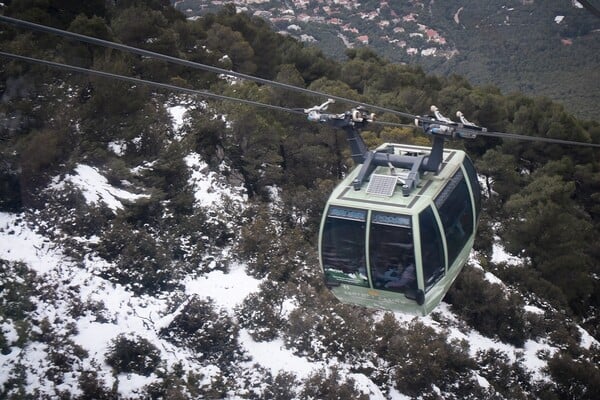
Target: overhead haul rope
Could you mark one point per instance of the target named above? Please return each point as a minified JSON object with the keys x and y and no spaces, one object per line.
{"x":145,"y":82}
{"x":147,"y":53}
{"x":588,"y":6}
{"x":192,"y":64}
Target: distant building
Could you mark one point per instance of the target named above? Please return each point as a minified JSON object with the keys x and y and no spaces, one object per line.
{"x":307,"y":38}
{"x":363,"y":39}
{"x":412,"y":17}
{"x":263,"y":14}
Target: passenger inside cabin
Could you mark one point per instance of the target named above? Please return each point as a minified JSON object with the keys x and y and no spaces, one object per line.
{"x":405,"y":280}
{"x":396,"y":275}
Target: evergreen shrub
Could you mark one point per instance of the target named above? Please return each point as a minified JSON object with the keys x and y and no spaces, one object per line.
{"x":261,"y":312}
{"x":129,"y":353}
{"x":209,"y":332}
{"x":574,"y":378}
{"x":330,"y":386}
{"x":421,"y":358}
{"x":341,"y":331}
{"x":138,"y":259}
{"x":488,"y":307}
{"x":510,"y":379}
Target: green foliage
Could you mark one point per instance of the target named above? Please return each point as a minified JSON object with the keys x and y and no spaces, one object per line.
{"x":64,"y":356}
{"x":207,"y":133}
{"x":93,"y":387}
{"x":488,"y":307}
{"x":81,"y":54}
{"x":54,"y":12}
{"x":232,"y":44}
{"x":40,"y":155}
{"x":340,"y":331}
{"x":553,"y":231}
{"x":17,"y":286}
{"x":329,"y":386}
{"x":138,"y":25}
{"x":280,"y":249}
{"x":261,"y":312}
{"x":140,"y":261}
{"x":280,"y":387}
{"x":132,"y":354}
{"x":510,"y":379}
{"x":422,"y":357}
{"x":575,"y":379}
{"x":210,"y":333}
{"x":501,"y":175}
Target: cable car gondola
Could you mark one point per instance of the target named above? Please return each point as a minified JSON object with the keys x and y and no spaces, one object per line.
{"x":396,"y":232}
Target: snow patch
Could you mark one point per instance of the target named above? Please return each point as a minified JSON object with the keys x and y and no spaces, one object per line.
{"x":177,"y":114}
{"x":274,"y":356}
{"x":209,"y":189}
{"x":20,"y":243}
{"x":226,"y":289}
{"x":118,"y":147}
{"x":95,"y":188}
{"x":587,"y":340}
{"x":500,"y":255}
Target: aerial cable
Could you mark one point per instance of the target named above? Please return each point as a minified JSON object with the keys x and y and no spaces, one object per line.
{"x":145,"y":82}
{"x":588,"y":6}
{"x":192,"y":64}
{"x":514,"y":136}
{"x":297,"y":111}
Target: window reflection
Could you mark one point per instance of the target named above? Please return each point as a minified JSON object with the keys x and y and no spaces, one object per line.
{"x":392,"y":256}
{"x":472,"y":174}
{"x":432,"y":250}
{"x":343,"y":246}
{"x":456,"y":213}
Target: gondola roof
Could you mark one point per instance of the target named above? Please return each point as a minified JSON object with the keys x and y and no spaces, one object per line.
{"x":369,"y":196}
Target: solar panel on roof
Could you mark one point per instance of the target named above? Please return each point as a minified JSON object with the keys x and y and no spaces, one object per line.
{"x":382,"y":185}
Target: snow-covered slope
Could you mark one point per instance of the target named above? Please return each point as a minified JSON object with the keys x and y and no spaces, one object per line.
{"x":63,"y":319}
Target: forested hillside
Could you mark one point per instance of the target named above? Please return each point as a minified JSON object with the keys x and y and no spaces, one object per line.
{"x":215,"y":189}
{"x":541,"y":48}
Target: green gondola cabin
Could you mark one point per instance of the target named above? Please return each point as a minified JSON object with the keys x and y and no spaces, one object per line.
{"x":398,"y":229}
{"x":382,"y":248}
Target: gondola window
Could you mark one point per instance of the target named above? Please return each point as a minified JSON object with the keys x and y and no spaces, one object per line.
{"x":472,"y":174}
{"x":456,"y":213}
{"x":392,"y":256}
{"x":343,"y":246}
{"x":432,"y":249}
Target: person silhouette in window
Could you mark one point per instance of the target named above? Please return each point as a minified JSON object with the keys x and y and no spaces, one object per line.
{"x":405,"y":280}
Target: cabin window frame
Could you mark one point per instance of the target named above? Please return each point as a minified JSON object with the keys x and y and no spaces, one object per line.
{"x":469,"y":170}
{"x":401,"y":269}
{"x":341,"y":276}
{"x":453,"y":226}
{"x":442,"y":247}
